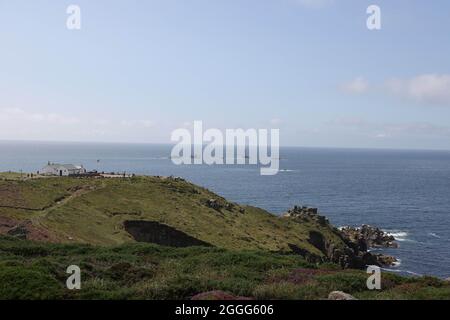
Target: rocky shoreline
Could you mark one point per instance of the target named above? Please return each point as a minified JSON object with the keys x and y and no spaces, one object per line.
{"x":367,"y":237}
{"x":359,"y":241}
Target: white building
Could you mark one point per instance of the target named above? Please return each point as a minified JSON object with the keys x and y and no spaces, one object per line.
{"x":55,"y":169}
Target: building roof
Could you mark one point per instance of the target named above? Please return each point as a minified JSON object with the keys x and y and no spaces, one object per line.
{"x":69,"y":167}
{"x":65,"y":166}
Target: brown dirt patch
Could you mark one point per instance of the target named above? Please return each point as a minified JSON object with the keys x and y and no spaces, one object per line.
{"x":10,"y":195}
{"x":25,"y":230}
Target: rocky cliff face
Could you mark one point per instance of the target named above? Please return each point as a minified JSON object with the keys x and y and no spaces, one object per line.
{"x":354,"y":254}
{"x":369,"y":237}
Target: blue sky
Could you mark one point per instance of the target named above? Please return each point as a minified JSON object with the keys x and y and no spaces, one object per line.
{"x":139,"y":69}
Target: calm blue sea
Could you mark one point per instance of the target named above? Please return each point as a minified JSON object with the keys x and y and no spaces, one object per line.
{"x":404,"y":192}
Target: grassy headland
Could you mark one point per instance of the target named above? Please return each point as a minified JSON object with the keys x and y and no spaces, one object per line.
{"x":93,"y":211}
{"x":251,"y":252}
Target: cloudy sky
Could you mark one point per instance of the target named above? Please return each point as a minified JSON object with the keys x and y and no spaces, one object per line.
{"x":139,"y":69}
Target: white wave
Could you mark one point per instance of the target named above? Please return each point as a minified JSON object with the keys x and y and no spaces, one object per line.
{"x":431,"y":234}
{"x":413,"y":273}
{"x":398,"y":235}
{"x":402,"y":271}
{"x":397,"y":263}
{"x":286,"y":170}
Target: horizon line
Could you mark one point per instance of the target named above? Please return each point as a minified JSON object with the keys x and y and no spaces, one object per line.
{"x":169,"y":144}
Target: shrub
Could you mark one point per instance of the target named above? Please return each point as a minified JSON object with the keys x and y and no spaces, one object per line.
{"x":345,"y":281}
{"x":22,"y":283}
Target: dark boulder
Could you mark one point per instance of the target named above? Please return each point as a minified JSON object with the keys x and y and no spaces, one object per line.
{"x":213,"y":204}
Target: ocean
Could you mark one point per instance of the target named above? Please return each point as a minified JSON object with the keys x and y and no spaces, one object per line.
{"x":406,"y":193}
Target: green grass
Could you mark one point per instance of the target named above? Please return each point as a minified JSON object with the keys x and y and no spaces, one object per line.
{"x":250,"y":254}
{"x":96,"y":214}
{"x":10,"y":175}
{"x":30,"y":270}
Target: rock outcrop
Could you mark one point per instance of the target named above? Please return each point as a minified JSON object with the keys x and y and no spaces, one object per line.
{"x":340,"y":295}
{"x":369,"y":237}
{"x":213,"y":204}
{"x":366,"y":237}
{"x":385,"y":260}
{"x":354,"y":254}
{"x":306,"y":213}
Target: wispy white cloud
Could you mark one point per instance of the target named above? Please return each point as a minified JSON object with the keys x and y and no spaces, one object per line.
{"x":417,"y":128}
{"x":17,"y":123}
{"x":356,"y":86}
{"x":349,"y":122}
{"x":381,"y":130}
{"x":137,"y":123}
{"x":275,"y":122}
{"x":427,"y":88}
{"x":22,"y":116}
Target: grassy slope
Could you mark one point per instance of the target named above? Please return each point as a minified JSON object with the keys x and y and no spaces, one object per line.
{"x":93,"y":210}
{"x":31,"y":270}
